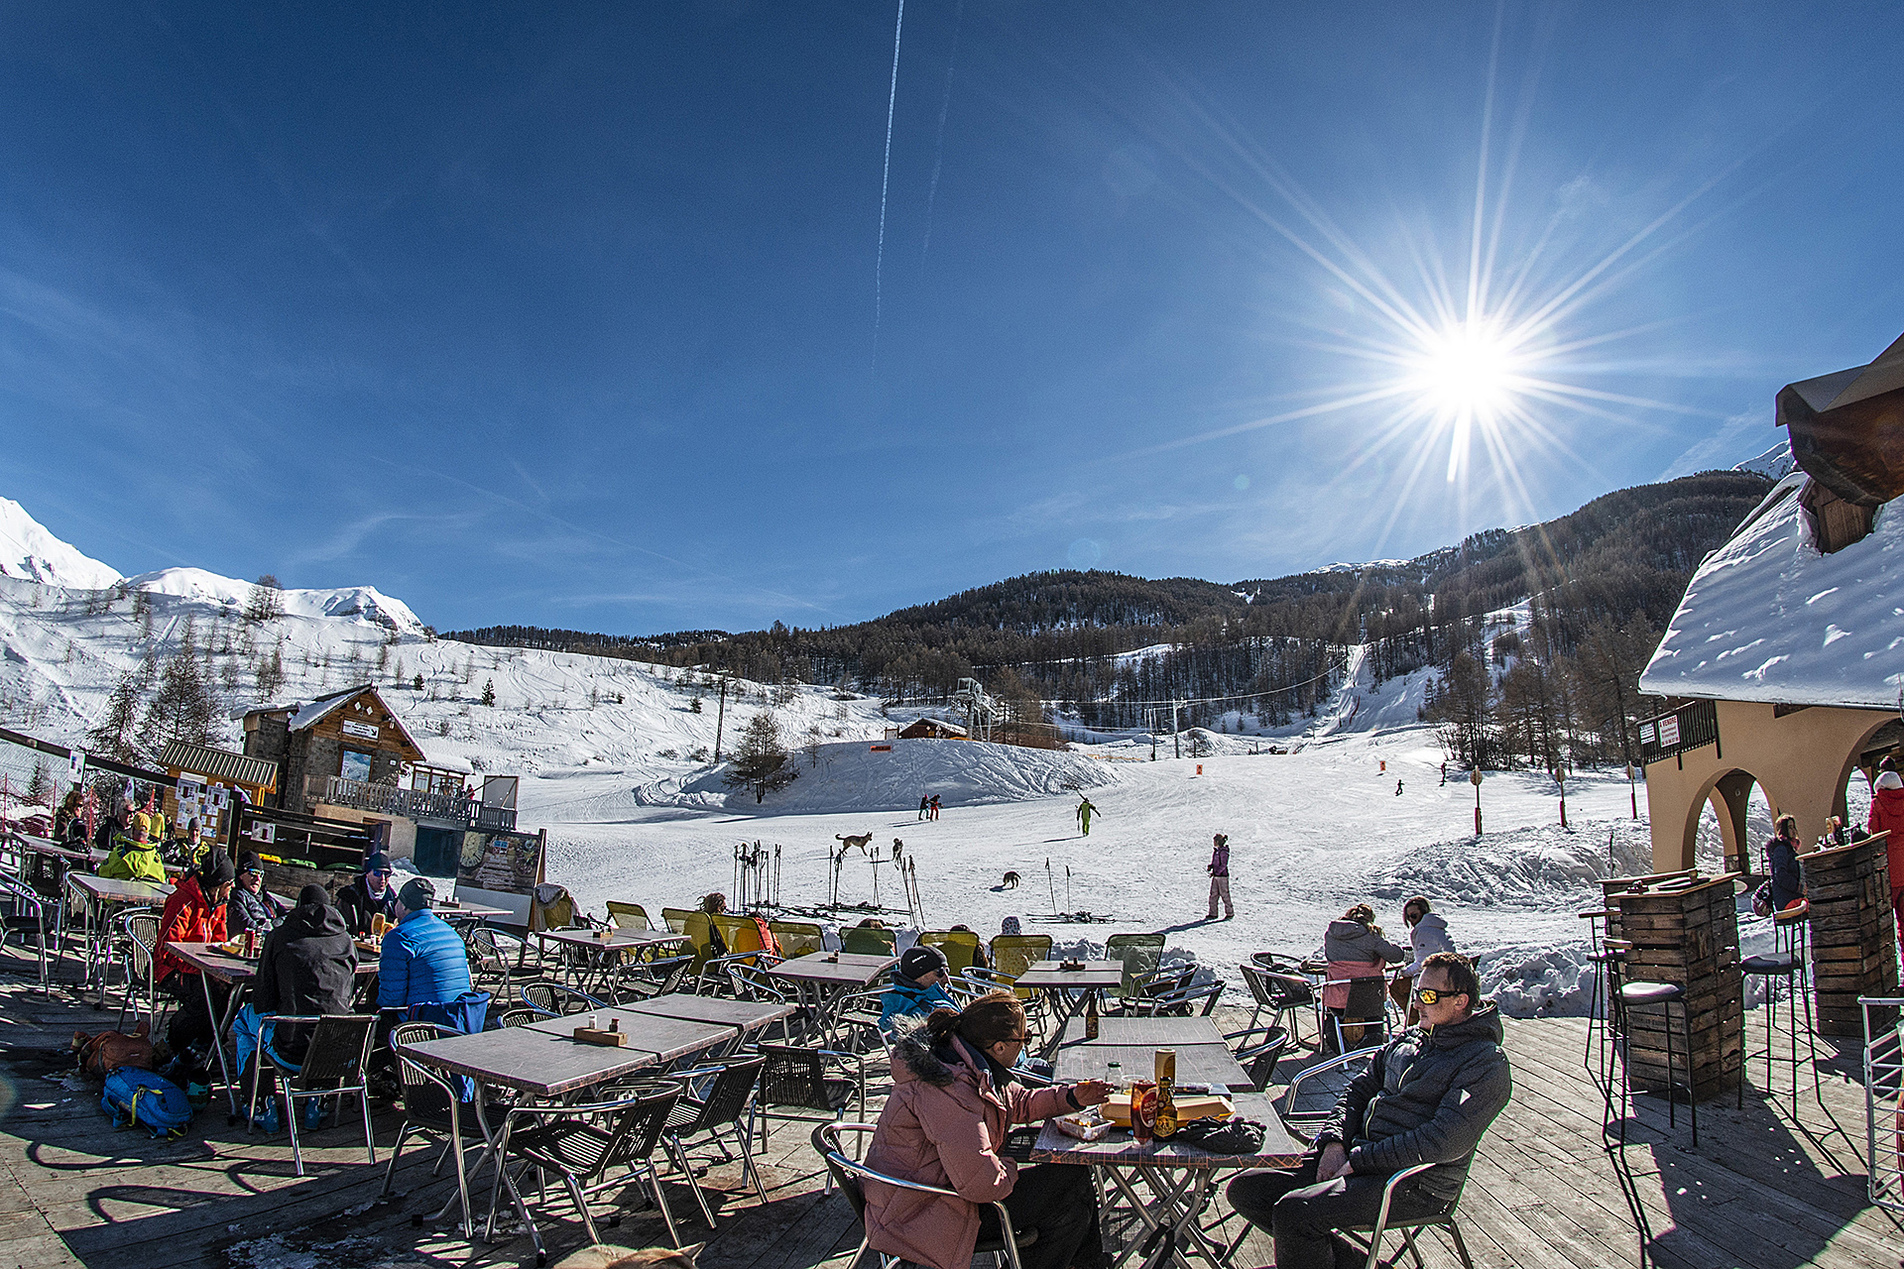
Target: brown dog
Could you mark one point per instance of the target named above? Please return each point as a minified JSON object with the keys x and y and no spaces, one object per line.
{"x":100,"y":1055}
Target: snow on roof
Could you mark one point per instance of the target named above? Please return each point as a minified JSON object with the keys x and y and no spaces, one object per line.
{"x":316,"y":711}
{"x":1768,"y":618}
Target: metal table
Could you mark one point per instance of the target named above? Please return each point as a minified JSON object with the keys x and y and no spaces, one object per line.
{"x":602,"y":948}
{"x":1069,"y":990}
{"x":823,"y":978}
{"x":1178,"y":1176}
{"x":101,"y":893}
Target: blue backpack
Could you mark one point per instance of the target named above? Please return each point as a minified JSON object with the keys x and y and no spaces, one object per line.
{"x":133,"y":1096}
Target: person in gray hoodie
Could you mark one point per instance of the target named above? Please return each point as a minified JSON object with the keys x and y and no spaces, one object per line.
{"x":1427,"y":1097}
{"x":1427,"y":934}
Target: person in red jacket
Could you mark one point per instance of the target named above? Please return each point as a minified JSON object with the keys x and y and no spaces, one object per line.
{"x":195,"y":913}
{"x":1887,"y":812}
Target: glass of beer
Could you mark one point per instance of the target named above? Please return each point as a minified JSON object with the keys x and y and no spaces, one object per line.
{"x":1143,"y":1110}
{"x":378,"y":924}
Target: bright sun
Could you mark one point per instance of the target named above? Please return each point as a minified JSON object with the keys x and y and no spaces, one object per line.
{"x":1466,"y":371}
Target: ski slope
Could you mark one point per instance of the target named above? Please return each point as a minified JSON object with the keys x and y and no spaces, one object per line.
{"x":613,"y":759}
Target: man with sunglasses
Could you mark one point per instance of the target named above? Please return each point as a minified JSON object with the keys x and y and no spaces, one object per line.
{"x":369,"y":896}
{"x":1427,"y":1097}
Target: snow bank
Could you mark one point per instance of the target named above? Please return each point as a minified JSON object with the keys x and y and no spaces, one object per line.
{"x":866,"y":776}
{"x":29,"y":552}
{"x":1534,"y":867}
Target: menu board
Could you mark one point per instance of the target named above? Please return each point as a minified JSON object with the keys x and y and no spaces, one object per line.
{"x":508,"y":863}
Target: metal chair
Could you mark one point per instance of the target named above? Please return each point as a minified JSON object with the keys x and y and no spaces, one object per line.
{"x":628,"y":916}
{"x":716,"y":1115}
{"x":1259,"y":1058}
{"x":1013,"y":954}
{"x":656,"y":976}
{"x":1140,"y":954}
{"x":795,"y":1080}
{"x":140,"y":928}
{"x":334,"y":1064}
{"x":1645,"y":995}
{"x":797,"y":938}
{"x":1408,"y":1229}
{"x":572,"y":1142}
{"x":498,"y":958}
{"x":712,"y":977}
{"x":1367,"y":1007}
{"x":1790,"y":959}
{"x":518,"y":1017}
{"x":849,"y":1175}
{"x":959,"y":947}
{"x":1286,"y":997}
{"x":557,"y":1000}
{"x":1181,"y":999}
{"x":430,"y":1105}
{"x":26,"y":915}
{"x":1293,"y":1117}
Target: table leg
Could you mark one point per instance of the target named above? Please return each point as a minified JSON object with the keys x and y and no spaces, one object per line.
{"x":221,"y":1027}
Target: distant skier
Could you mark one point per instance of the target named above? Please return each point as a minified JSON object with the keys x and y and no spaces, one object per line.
{"x":933,"y":806}
{"x":1085,"y":811}
{"x":1398,"y":788}
{"x":925,"y":806}
{"x":1219,"y":870}
{"x":1444,"y":773}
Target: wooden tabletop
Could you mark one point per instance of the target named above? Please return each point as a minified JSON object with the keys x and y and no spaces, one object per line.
{"x":212,"y":961}
{"x":461,"y":908}
{"x":112,"y":890}
{"x":544,"y":1058}
{"x":1279,"y":1149}
{"x":840,"y":968}
{"x":1196,"y":1063}
{"x":745,"y":1014}
{"x":1046,"y":974}
{"x":1157,"y":1032}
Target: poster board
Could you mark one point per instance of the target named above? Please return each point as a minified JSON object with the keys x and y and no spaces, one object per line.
{"x":500,"y":869}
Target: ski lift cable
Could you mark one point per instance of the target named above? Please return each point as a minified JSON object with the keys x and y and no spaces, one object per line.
{"x":1200,"y":700}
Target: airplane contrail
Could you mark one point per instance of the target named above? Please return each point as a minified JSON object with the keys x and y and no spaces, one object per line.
{"x":885,"y":178}
{"x":938,"y":145}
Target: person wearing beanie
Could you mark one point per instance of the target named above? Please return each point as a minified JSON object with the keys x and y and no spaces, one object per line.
{"x":422,"y":962}
{"x":308,"y":967}
{"x":252,"y":907}
{"x":194,"y":914}
{"x":369,"y":896}
{"x":918,"y":987}
{"x":1887,"y":815}
{"x":135,"y":856}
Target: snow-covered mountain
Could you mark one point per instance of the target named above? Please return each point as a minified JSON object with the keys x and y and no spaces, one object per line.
{"x":28,"y":551}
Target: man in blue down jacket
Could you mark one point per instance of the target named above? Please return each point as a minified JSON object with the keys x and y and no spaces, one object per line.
{"x":422,"y":961}
{"x":1427,"y":1097}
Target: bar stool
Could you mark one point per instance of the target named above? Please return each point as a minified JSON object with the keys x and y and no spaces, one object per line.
{"x":1606,"y":963}
{"x":1791,"y":957}
{"x":1647,"y":995}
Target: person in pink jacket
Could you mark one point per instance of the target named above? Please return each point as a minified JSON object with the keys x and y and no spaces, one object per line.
{"x":1887,"y":812}
{"x":954,"y":1099}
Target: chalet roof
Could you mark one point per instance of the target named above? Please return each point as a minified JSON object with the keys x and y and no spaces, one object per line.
{"x":1767,"y":617}
{"x":218,"y":764}
{"x":935,"y":724}
{"x":317,"y":710}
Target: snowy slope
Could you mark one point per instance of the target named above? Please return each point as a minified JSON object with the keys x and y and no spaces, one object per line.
{"x":224,"y":592}
{"x":29,"y":551}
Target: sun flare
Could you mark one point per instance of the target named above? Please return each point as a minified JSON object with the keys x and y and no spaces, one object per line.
{"x":1467,"y":369}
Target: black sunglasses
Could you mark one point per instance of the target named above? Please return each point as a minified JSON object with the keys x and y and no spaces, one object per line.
{"x":1433,"y":995}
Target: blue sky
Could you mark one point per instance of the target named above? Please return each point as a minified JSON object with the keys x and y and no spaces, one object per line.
{"x":565,"y":315}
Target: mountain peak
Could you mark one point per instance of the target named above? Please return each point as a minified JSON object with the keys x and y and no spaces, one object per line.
{"x":29,"y":552}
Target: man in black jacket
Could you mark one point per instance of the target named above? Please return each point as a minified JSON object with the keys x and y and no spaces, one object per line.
{"x":369,"y":896}
{"x":1427,"y":1097}
{"x":308,"y":966}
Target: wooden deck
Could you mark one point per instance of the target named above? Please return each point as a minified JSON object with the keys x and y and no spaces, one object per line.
{"x":1761,"y":1190}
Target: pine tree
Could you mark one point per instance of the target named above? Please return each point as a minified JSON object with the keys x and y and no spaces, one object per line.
{"x":416,"y":684}
{"x":184,"y":707}
{"x":489,"y":691}
{"x":760,"y":762}
{"x":271,"y":674}
{"x":265,"y":603}
{"x":113,"y":736}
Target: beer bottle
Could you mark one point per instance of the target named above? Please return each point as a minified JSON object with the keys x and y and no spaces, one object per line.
{"x":1090,"y":1016}
{"x":1166,"y":1125}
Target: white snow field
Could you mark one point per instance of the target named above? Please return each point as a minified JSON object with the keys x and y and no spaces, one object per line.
{"x":607,"y":751}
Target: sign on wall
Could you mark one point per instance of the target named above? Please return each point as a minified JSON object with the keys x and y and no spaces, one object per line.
{"x":362,"y":731}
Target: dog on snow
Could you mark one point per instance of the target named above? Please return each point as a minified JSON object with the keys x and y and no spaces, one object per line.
{"x":1010,"y":882}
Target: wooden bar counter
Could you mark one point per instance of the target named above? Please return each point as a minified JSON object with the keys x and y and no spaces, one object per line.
{"x":1853,"y":933}
{"x":1684,"y":929}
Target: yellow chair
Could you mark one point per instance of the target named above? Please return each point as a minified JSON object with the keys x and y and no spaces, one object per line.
{"x":797,"y":938}
{"x":959,"y":947}
{"x":1013,"y":954}
{"x":739,"y":933}
{"x":677,"y":918}
{"x":628,"y":916}
{"x":700,"y":936}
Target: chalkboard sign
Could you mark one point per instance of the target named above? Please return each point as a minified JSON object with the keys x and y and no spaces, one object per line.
{"x":509,"y":863}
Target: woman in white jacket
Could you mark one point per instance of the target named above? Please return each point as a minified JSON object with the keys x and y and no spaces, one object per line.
{"x":1427,"y":934}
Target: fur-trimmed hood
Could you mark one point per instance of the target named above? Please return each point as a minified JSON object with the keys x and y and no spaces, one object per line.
{"x":913,"y":1051}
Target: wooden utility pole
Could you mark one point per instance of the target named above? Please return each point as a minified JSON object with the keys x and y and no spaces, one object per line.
{"x":720,"y":718}
{"x":1176,"y":736}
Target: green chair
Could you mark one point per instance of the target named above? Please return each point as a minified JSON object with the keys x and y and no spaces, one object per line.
{"x":628,"y":916}
{"x":796,"y":938}
{"x":1013,"y":954}
{"x":1140,"y":954}
{"x":865,"y":941}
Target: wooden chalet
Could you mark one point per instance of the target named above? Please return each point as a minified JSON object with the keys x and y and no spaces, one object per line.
{"x":352,"y":736}
{"x":932,"y":729}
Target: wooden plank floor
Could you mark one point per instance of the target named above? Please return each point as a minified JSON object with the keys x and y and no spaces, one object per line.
{"x":1761,"y":1190}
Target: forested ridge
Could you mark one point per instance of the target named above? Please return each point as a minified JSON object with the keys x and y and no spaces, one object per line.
{"x":1601,"y":582}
